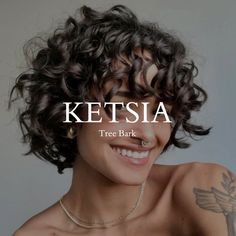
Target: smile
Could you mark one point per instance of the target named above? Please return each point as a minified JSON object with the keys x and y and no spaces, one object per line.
{"x":130,"y":153}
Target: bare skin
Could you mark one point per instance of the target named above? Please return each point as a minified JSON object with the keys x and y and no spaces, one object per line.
{"x":169,"y":207}
{"x":176,"y":198}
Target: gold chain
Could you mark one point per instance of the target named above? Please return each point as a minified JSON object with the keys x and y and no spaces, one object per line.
{"x":104,"y":224}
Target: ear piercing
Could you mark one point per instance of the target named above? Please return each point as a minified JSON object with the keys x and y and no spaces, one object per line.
{"x":71,"y":133}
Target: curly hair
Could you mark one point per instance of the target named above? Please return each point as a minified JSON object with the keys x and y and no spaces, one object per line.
{"x":76,"y":61}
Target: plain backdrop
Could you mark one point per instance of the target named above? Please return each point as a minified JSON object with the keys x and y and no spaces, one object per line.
{"x":207,"y":27}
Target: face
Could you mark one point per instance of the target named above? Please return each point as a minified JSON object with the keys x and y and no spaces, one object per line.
{"x":123,"y":159}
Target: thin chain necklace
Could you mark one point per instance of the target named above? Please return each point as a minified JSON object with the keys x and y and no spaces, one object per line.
{"x":104,"y":224}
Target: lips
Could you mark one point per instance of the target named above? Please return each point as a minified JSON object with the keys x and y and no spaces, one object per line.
{"x":134,"y":157}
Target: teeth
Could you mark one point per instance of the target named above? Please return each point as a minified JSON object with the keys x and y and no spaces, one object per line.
{"x":131,"y":154}
{"x":123,"y":152}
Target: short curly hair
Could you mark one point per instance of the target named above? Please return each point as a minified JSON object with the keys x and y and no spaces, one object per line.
{"x":78,"y":58}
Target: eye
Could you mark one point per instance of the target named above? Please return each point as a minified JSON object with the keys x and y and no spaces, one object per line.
{"x":119,"y":107}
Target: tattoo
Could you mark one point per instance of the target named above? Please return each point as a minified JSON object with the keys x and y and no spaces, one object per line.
{"x":221,"y":202}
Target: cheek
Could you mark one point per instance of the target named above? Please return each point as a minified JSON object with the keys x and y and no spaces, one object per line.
{"x":90,"y":140}
{"x":87,"y":141}
{"x":163,"y":131}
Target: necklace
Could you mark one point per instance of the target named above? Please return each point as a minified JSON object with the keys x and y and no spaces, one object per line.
{"x":103,"y":224}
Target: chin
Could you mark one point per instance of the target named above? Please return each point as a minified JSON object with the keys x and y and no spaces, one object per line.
{"x":125,"y":167}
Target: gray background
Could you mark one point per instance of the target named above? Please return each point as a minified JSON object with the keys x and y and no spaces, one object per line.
{"x":207,"y":27}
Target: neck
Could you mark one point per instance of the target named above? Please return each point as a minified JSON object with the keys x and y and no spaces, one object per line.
{"x":95,"y":198}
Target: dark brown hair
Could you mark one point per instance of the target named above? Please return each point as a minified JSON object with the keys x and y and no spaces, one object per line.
{"x":79,"y":57}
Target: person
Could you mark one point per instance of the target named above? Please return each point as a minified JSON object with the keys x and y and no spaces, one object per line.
{"x":117,"y":189}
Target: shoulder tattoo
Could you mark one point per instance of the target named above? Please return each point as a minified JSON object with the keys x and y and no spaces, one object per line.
{"x":220,"y":201}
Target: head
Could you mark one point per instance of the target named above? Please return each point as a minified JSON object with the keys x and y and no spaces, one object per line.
{"x":116,"y":150}
{"x":106,"y":56}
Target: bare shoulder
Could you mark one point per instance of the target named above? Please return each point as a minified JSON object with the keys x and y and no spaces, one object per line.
{"x":183,"y":178}
{"x":204,"y":175}
{"x":206,"y":193}
{"x":189,"y":179}
{"x":44,"y":223}
{"x":33,"y":230}
{"x":202,"y":195}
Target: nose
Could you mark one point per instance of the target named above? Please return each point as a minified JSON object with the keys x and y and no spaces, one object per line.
{"x":145,"y":132}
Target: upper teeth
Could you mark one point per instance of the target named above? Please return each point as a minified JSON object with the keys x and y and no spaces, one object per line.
{"x":129,"y":153}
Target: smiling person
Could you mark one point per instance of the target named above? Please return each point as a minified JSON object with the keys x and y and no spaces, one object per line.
{"x":117,"y":189}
